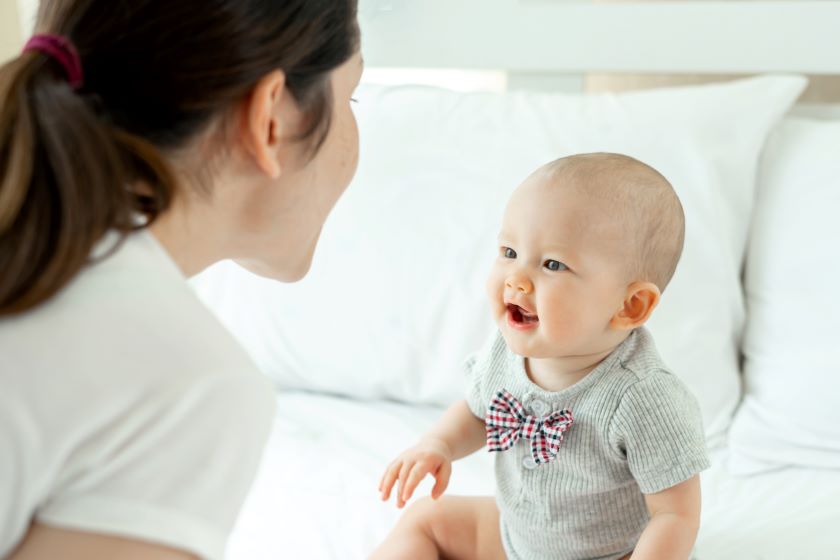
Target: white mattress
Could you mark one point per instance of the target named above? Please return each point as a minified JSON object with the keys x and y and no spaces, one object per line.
{"x":316,"y":498}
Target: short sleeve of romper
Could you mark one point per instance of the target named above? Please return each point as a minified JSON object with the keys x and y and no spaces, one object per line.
{"x":658,"y":428}
{"x":484,"y":369}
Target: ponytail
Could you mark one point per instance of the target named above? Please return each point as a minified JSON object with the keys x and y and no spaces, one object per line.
{"x":66,"y":176}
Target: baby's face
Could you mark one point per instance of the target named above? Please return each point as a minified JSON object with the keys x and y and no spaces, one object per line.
{"x":560,"y":274}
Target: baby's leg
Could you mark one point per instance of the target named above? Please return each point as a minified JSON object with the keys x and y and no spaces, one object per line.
{"x":452,"y":528}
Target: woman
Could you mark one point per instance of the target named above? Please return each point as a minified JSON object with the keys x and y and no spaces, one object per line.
{"x":141,"y":142}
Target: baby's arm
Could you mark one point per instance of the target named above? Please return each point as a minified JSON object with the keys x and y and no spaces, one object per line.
{"x":675,"y":520}
{"x":457,"y":434}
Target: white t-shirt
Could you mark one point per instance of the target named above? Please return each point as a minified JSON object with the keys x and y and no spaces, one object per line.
{"x":127,"y":409}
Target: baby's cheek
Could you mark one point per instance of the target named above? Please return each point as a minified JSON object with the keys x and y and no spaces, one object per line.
{"x":495,"y":289}
{"x":557,"y":329}
{"x":559,"y":319}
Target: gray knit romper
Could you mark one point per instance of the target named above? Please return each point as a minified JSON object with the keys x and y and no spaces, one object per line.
{"x":637,"y":430}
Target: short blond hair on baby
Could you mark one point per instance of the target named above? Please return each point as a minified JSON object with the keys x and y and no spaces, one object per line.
{"x":641,"y":198}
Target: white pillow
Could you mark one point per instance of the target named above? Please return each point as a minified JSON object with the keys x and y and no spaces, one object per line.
{"x":395,"y":300}
{"x":791,"y":409}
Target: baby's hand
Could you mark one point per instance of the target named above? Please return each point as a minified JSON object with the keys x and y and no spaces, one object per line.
{"x":430,"y":456}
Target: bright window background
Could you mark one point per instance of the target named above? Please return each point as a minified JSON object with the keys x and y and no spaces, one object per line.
{"x":9,"y":31}
{"x":27,"y":10}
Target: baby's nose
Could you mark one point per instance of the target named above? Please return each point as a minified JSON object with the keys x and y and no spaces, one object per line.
{"x":520,"y":283}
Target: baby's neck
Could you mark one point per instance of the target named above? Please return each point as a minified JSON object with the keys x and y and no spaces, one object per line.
{"x":556,"y":374}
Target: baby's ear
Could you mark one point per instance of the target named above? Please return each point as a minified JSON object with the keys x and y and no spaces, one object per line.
{"x":639,"y":302}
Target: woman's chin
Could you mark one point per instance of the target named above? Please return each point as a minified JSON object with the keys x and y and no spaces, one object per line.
{"x":282,"y":270}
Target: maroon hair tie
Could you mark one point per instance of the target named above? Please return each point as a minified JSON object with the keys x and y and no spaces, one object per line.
{"x":62,"y":50}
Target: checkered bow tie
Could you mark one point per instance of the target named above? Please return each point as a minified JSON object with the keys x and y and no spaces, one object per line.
{"x":506,"y":422}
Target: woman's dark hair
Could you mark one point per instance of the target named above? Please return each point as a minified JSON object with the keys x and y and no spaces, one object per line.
{"x":156,"y":74}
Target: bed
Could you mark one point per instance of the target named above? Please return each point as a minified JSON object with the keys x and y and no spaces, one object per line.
{"x":311,"y":504}
{"x":367,"y":350}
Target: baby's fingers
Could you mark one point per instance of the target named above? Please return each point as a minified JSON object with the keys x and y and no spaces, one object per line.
{"x":385,"y":474}
{"x":414,"y":477}
{"x":389,"y":478}
{"x":404,"y":470}
{"x":441,"y":479}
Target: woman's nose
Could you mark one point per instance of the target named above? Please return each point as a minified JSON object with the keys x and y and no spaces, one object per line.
{"x":520,"y":283}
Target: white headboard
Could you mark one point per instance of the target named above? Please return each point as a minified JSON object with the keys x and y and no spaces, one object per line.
{"x":603,"y":45}
{"x":567,"y":36}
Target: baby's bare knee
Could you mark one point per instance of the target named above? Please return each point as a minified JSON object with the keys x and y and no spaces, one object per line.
{"x":437,"y":519}
{"x":421,"y":512}
{"x":431,"y":516}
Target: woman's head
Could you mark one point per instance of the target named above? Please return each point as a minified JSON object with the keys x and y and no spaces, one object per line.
{"x":273,"y":195}
{"x":231,"y":105}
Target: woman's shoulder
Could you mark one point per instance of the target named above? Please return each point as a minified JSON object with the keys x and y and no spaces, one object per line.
{"x":127,"y":341}
{"x":130,"y":315}
{"x":125,"y":388}
{"x":124,"y":337}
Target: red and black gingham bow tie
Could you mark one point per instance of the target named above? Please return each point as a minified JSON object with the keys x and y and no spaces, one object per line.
{"x":506,"y":422}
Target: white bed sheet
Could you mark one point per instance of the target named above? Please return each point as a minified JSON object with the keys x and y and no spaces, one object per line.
{"x":316,"y":498}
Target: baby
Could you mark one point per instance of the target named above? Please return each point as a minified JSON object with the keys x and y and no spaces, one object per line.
{"x":598,"y":444}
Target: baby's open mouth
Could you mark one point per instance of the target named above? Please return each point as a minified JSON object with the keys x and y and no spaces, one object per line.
{"x":517,"y":316}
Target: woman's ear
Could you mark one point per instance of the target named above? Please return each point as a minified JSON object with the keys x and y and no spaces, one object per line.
{"x":263,"y":125}
{"x":639,"y":302}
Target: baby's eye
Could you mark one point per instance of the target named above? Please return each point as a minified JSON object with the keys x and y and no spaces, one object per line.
{"x":555,"y":265}
{"x":508,"y":253}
